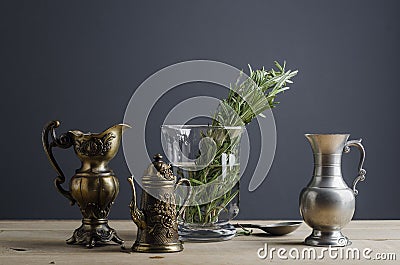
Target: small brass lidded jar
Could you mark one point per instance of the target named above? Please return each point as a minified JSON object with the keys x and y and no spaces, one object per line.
{"x":157,"y":217}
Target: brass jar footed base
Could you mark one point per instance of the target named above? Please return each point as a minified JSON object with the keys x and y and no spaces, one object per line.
{"x":325,"y":239}
{"x":164,"y":248}
{"x":93,"y":232}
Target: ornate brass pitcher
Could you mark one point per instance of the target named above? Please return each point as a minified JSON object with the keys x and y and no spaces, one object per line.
{"x":94,"y":186}
{"x":157,"y":219}
{"x":327,"y":203}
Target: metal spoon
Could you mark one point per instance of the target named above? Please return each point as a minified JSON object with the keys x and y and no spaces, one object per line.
{"x":277,"y":229}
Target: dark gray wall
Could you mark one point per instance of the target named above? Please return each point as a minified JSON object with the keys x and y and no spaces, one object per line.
{"x":80,"y":61}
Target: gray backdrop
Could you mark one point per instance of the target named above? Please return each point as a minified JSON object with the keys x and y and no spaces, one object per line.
{"x":80,"y":62}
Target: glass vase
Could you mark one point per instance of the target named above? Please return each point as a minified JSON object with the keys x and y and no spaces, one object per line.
{"x":209,"y":157}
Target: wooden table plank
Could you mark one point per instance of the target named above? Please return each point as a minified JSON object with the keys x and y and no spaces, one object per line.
{"x":43,"y":242}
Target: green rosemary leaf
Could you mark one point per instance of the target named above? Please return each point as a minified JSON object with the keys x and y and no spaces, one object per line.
{"x":195,"y":181}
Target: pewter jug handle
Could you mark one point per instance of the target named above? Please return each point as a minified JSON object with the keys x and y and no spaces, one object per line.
{"x":187,"y":182}
{"x":361,"y":171}
{"x":64,"y":141}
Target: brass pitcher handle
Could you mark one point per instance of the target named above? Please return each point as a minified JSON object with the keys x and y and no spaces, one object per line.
{"x":187,"y":183}
{"x":361,"y":171}
{"x":64,"y":141}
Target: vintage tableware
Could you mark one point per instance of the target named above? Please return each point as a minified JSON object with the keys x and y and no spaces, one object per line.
{"x":276,"y":229}
{"x":327,"y":203}
{"x":157,"y":217}
{"x":196,"y":153}
{"x":94,"y":186}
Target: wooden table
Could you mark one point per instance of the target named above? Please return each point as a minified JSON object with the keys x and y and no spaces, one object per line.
{"x":43,"y":242}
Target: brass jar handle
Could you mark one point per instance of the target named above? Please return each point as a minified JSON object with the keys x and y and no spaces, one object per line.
{"x":64,"y":142}
{"x":361,"y":171}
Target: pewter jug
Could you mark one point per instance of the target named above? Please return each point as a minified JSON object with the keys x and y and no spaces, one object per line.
{"x":327,"y":203}
{"x":157,"y":217}
{"x":94,"y":186}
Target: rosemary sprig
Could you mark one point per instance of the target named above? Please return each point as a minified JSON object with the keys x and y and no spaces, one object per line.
{"x":245,"y":101}
{"x":253,"y":96}
{"x":244,"y":231}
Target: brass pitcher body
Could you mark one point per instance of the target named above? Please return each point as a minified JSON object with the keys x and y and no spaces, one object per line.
{"x":327,"y":204}
{"x":156,"y":218}
{"x":94,"y":186}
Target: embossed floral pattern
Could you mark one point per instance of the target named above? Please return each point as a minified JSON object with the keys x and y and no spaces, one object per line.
{"x":95,"y":146}
{"x":163,"y":216}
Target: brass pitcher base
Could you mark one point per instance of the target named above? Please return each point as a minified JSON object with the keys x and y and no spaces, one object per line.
{"x":165,"y":248}
{"x":325,"y":239}
{"x":94,"y":232}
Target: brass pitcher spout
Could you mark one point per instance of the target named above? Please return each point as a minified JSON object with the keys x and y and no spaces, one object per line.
{"x":136,"y":214}
{"x":95,"y":150}
{"x":117,"y":129}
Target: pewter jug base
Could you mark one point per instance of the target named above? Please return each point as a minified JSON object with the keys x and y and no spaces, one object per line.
{"x":325,"y":239}
{"x":94,"y":232}
{"x":152,"y":248}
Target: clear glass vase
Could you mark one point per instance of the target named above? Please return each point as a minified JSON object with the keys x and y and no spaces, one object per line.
{"x":209,"y":157}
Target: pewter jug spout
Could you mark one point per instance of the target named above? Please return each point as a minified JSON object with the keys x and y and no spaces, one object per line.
{"x":327,"y":143}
